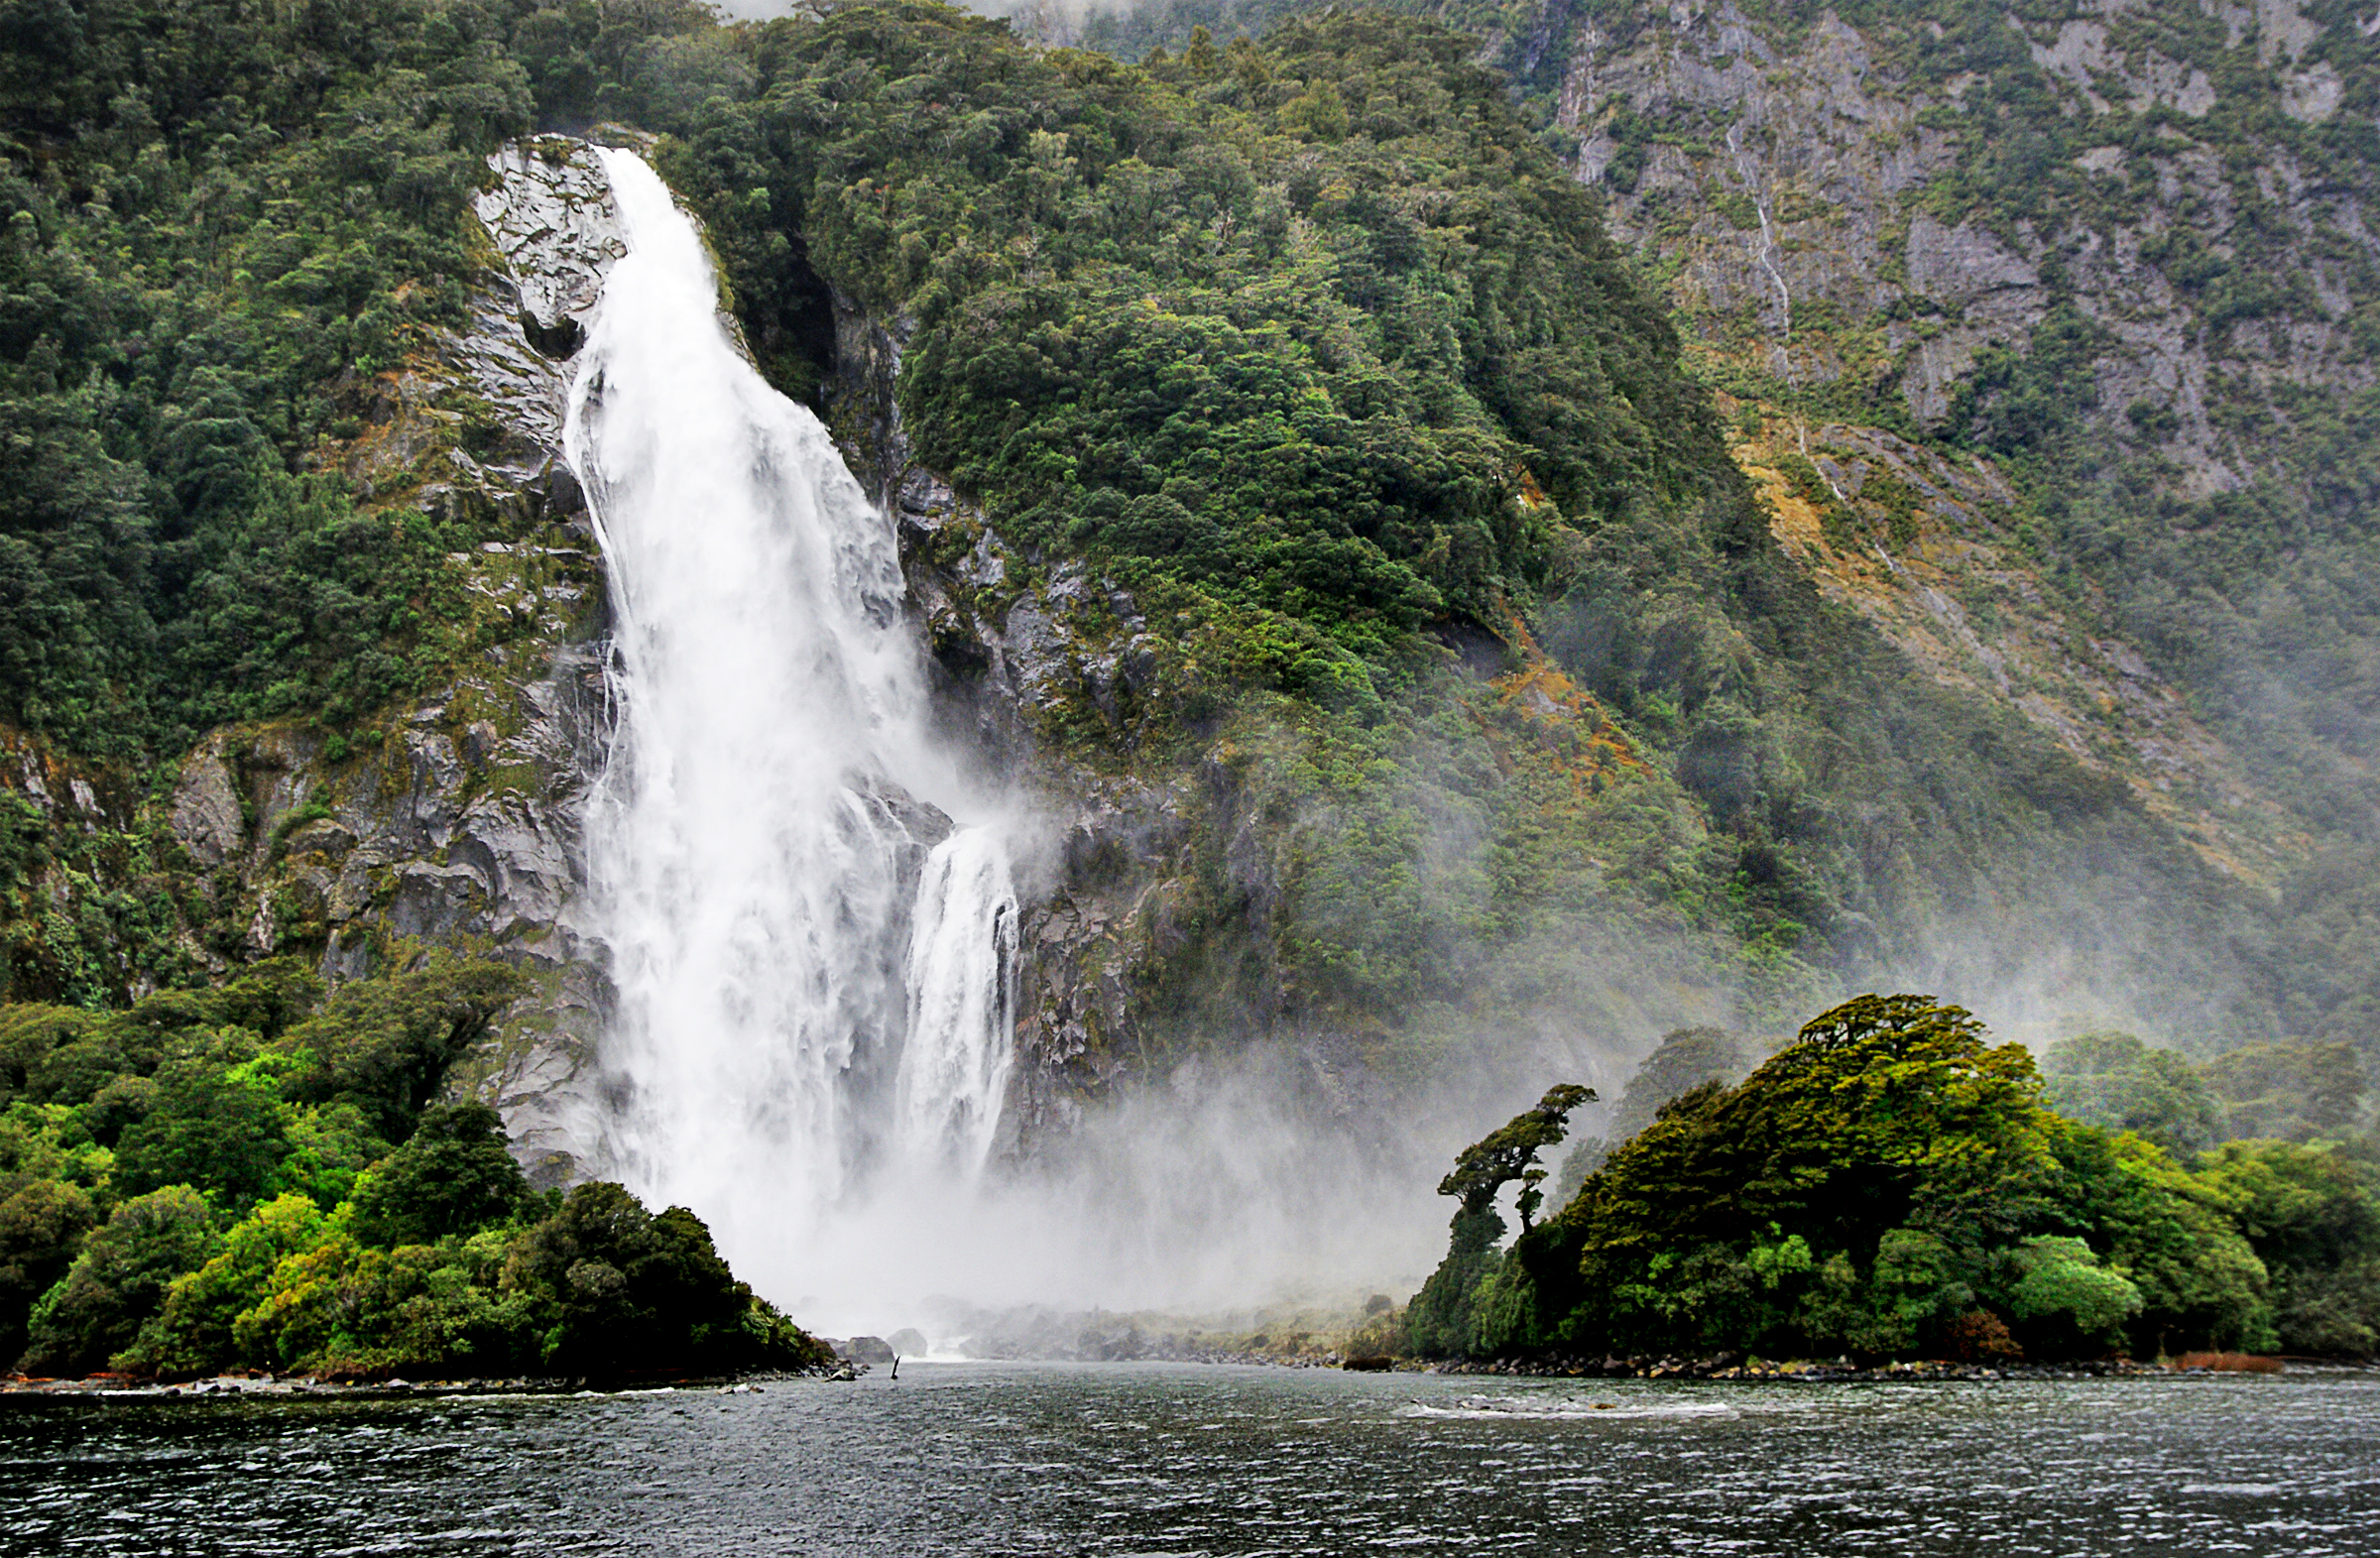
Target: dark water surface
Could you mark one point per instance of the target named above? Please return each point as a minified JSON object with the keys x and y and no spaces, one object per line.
{"x":984,"y":1459}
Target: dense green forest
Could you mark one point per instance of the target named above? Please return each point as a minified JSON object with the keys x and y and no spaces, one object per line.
{"x":259,"y":1176}
{"x":1890,"y":1184}
{"x":2222,"y":526}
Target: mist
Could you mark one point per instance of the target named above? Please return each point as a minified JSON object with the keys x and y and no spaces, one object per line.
{"x":1209,"y":1191}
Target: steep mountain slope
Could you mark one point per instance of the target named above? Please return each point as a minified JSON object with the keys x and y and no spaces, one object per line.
{"x":2046,"y":333}
{"x":2125,"y":258}
{"x":1302,"y":496}
{"x":2055,"y":241}
{"x":1366,"y":226}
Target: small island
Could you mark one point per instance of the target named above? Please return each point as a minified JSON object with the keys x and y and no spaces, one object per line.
{"x":1891,"y":1187}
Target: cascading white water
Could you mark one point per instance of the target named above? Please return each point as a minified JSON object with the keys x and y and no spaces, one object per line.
{"x":750,"y":841}
{"x":954,"y":1069}
{"x":815,"y":983}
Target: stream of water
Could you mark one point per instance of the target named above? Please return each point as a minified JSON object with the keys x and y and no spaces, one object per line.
{"x":812,"y":965}
{"x":988,"y":1460}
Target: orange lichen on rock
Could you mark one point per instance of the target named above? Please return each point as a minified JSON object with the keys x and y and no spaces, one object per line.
{"x":1793,"y":518}
{"x":1956,"y":591}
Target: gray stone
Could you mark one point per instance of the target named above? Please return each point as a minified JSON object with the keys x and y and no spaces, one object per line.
{"x":467,"y":831}
{"x":206,"y":807}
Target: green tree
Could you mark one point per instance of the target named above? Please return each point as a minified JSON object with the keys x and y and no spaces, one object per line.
{"x":1684,"y":1061}
{"x":384,"y":1045}
{"x":2201,"y":1283}
{"x":2065,"y":1300}
{"x":309,"y":1314}
{"x":1848,"y":1193}
{"x":623,"y":1291}
{"x":2114,"y":1080}
{"x":330,"y":1146}
{"x":118,"y":1281}
{"x":2313,"y":1213}
{"x":29,"y":1034}
{"x":194,"y":1330}
{"x":2293,"y":1092}
{"x":453,"y":1175}
{"x":1888,"y":1183}
{"x":1440,"y":1320}
{"x":210,"y":1128}
{"x":446,"y":1307}
{"x":1199,"y":56}
{"x":1509,"y":1152}
{"x":42,"y":1227}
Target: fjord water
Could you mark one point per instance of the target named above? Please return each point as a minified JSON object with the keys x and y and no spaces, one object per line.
{"x":757,"y":853}
{"x":986,"y":1460}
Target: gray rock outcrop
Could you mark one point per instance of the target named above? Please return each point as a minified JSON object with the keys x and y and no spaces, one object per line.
{"x":461,"y":825}
{"x":1815,"y":192}
{"x":1149,"y":896}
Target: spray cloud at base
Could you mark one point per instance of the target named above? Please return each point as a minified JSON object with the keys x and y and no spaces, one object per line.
{"x":1210,"y":1194}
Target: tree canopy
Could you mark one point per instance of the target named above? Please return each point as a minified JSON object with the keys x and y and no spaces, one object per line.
{"x":1892,"y":1183}
{"x":258,"y":1175}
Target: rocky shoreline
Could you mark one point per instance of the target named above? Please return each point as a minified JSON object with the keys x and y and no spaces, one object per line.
{"x":1721,"y":1368}
{"x":227,"y":1386}
{"x":1731,"y":1367}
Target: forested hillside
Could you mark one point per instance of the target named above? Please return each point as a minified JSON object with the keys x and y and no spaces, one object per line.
{"x":1426,"y":556}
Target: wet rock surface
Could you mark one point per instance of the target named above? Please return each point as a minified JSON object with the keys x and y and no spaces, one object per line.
{"x":1138,"y":873}
{"x":460,"y":823}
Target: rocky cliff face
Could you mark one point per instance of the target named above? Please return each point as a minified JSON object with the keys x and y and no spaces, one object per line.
{"x":1183,"y":898}
{"x":1151,"y":882}
{"x":1862,"y":237}
{"x":458,"y":821}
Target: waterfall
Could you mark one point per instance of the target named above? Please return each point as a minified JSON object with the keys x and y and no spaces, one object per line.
{"x":779,"y":1029}
{"x":962,"y":1004}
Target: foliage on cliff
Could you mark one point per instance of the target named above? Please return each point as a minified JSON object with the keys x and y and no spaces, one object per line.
{"x":1208,"y":325}
{"x":2148,"y":294}
{"x":254,"y":1176}
{"x":1891,"y":1184}
{"x":223,"y":224}
{"x":2218,"y":524}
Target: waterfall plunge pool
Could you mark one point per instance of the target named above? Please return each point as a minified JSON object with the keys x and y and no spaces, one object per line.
{"x":998,"y":1459}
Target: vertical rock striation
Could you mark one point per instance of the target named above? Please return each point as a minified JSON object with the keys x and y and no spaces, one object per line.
{"x":461,"y":823}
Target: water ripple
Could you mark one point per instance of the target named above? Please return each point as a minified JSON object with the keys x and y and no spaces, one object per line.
{"x":1118,"y":1460}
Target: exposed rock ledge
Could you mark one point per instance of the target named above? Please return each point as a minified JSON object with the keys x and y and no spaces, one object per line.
{"x":462,"y":824}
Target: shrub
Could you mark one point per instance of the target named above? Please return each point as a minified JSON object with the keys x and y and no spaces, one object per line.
{"x":453,"y":1175}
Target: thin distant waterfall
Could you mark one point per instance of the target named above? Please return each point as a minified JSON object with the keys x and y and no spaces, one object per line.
{"x":790,"y":1010}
